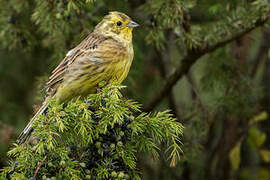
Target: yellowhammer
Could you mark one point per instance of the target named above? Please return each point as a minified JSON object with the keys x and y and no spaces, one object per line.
{"x":105,"y":55}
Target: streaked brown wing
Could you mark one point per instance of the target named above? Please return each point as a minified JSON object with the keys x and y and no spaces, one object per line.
{"x":88,"y":45}
{"x":97,"y":62}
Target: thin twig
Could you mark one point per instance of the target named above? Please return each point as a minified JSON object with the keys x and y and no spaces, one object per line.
{"x":39,"y":165}
{"x":189,"y":60}
{"x":262,"y":52}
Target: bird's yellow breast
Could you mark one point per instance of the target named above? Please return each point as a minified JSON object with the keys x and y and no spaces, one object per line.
{"x":123,"y":66}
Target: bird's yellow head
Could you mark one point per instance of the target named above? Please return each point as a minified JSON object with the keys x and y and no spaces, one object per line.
{"x":117,"y":25}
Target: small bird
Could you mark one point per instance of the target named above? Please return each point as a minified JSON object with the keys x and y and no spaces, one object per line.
{"x":105,"y":55}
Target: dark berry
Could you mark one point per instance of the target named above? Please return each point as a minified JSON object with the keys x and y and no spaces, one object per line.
{"x":127,"y":120}
{"x":64,"y":106}
{"x":96,"y":157}
{"x":114,"y":136}
{"x":225,"y":67}
{"x":124,"y":139}
{"x":32,"y":178}
{"x":103,"y":103}
{"x":90,"y":165}
{"x":23,"y":41}
{"x":70,"y":155}
{"x":16,"y":163}
{"x":123,"y":126}
{"x":92,"y":148}
{"x":11,"y":20}
{"x":68,"y":17}
{"x":94,"y":117}
{"x":117,"y":125}
{"x":151,"y":20}
{"x":106,"y":152}
{"x":103,"y":136}
{"x":73,"y":147}
{"x":90,"y":107}
{"x":108,"y":143}
{"x":84,"y":148}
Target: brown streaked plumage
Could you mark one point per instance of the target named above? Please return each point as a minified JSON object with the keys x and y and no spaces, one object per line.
{"x":105,"y":55}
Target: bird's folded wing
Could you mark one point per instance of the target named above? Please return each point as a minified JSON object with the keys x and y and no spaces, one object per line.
{"x":96,"y":48}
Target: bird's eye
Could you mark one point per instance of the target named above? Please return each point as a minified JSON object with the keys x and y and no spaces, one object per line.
{"x":118,"y":23}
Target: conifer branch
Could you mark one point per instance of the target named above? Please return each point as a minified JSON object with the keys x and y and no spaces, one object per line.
{"x":193,"y":56}
{"x":100,"y":140}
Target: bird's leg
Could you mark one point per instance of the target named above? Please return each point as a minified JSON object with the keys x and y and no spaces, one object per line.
{"x":98,"y":89}
{"x":107,"y":83}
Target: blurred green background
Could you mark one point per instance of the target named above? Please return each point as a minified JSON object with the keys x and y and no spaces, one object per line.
{"x":213,"y":57}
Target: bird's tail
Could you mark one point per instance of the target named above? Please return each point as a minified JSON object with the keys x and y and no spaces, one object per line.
{"x":28,"y":129}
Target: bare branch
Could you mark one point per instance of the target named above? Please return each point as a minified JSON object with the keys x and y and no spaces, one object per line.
{"x":192,"y":57}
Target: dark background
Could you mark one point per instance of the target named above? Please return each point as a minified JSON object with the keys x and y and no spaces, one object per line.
{"x":208,"y":61}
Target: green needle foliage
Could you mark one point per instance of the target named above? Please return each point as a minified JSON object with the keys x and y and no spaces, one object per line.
{"x":95,"y":138}
{"x":206,"y":60}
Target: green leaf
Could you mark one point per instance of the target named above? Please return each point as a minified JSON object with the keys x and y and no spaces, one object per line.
{"x":260,"y":117}
{"x":256,"y":138}
{"x":235,"y":156}
{"x":265,"y":154}
{"x":215,"y":8}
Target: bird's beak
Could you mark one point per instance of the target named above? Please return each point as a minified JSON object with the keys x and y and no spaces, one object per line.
{"x":133,"y":24}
